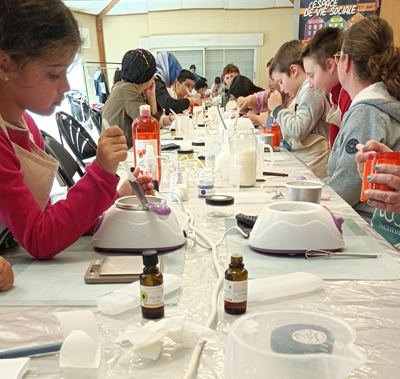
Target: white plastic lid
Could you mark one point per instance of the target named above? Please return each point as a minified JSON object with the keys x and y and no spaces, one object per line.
{"x":144,"y":110}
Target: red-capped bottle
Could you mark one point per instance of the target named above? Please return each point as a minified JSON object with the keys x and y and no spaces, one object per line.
{"x":145,"y":131}
{"x":276,"y":131}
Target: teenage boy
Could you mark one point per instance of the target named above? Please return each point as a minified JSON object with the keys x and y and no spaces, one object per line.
{"x":304,"y":129}
{"x":184,"y":83}
{"x":319,"y":64}
{"x":200,"y":88}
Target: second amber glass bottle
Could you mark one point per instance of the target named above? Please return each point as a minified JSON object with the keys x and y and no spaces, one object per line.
{"x":235,"y":286}
{"x":151,"y":287}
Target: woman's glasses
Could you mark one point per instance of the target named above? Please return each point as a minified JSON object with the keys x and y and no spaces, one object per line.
{"x":337,"y":57}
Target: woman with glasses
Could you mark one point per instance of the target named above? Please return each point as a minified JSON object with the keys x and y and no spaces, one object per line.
{"x":369,"y":70}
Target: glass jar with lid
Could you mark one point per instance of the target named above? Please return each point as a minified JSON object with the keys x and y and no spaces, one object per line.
{"x":244,"y":153}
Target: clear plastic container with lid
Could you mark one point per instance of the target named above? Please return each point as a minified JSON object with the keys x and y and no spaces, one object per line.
{"x":244,"y":153}
{"x":220,"y":206}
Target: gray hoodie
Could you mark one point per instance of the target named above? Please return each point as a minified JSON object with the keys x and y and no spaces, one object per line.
{"x":373,"y":115}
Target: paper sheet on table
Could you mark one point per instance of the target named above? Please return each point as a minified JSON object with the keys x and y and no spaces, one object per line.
{"x":14,"y":368}
{"x":261,"y":265}
{"x":247,"y":197}
{"x":81,"y":348}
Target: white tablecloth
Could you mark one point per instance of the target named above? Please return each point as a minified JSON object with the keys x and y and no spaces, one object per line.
{"x":372,"y":308}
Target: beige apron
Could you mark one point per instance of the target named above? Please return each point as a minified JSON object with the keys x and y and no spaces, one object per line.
{"x":313,"y":150}
{"x":39,"y":170}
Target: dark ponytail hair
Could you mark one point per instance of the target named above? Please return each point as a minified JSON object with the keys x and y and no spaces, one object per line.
{"x":370,"y":45}
{"x":243,"y":86}
{"x":36,"y":29}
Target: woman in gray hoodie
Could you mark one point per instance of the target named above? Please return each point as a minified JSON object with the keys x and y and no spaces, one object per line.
{"x":369,"y":70}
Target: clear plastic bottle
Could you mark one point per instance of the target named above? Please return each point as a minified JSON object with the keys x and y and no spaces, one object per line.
{"x":145,"y":131}
{"x":235,"y":286}
{"x":151,"y":287}
{"x":244,"y":153}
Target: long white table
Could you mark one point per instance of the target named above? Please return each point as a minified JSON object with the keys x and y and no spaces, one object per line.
{"x":372,"y":308}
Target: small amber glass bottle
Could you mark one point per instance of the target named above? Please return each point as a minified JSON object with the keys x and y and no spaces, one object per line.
{"x":235,"y":286}
{"x":151,"y":287}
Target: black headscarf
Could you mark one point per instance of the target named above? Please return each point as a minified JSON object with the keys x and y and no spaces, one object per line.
{"x":138,"y":66}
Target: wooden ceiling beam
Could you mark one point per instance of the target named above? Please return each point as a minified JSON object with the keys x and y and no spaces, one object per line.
{"x":107,"y":9}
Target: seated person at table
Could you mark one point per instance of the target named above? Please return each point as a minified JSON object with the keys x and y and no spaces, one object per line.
{"x":369,"y":70}
{"x":199,"y":89}
{"x":320,"y":66}
{"x":184,"y":84}
{"x":6,"y":275}
{"x":216,"y":88}
{"x":135,"y":89}
{"x":242,"y":86}
{"x":228,"y":73}
{"x":258,"y":102}
{"x":304,"y":129}
{"x":168,"y":69}
{"x":386,"y":217}
{"x":33,"y":75}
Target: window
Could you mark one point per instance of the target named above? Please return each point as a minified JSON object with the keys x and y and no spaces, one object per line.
{"x":309,"y":27}
{"x":188,"y":57}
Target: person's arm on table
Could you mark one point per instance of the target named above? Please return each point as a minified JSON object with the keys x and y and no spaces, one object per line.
{"x":46,"y":233}
{"x":344,"y":179}
{"x":308,"y":114}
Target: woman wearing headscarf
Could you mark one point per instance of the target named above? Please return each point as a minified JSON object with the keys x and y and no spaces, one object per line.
{"x":135,"y":89}
{"x":168,"y":69}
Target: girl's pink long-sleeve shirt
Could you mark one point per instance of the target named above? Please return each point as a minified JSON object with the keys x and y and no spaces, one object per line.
{"x":45,"y":233}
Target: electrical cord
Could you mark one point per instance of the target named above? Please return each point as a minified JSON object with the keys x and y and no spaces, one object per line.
{"x":194,"y":360}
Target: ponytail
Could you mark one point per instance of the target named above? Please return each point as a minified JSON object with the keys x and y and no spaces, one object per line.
{"x":369,"y":43}
{"x":385,"y":67}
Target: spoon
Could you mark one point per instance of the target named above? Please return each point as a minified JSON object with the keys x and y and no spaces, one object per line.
{"x":275,"y":194}
{"x":158,"y":208}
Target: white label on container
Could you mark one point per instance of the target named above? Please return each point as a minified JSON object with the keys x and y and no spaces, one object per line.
{"x":309,"y":337}
{"x":204,"y":192}
{"x":235,"y":292}
{"x":152,"y":297}
{"x":140,"y":151}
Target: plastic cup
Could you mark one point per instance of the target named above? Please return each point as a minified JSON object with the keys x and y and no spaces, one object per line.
{"x":369,"y":169}
{"x":182,"y":125}
{"x":260,"y":158}
{"x":231,"y":177}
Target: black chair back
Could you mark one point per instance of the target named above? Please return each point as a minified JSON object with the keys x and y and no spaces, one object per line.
{"x":78,"y":139}
{"x":68,"y":167}
{"x":95,"y":117}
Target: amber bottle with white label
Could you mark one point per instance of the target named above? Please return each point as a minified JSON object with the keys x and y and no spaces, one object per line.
{"x":235,"y":286}
{"x":151,"y":287}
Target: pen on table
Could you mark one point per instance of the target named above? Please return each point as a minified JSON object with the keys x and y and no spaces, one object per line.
{"x":172,"y":138}
{"x":33,"y":350}
{"x":275,"y":173}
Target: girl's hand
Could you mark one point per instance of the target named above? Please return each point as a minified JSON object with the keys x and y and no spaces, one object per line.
{"x":6,"y":275}
{"x":369,"y":148}
{"x":111,"y":149}
{"x":274,"y":100}
{"x":387,"y":200}
{"x":145,"y":183}
{"x":246,"y":102}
